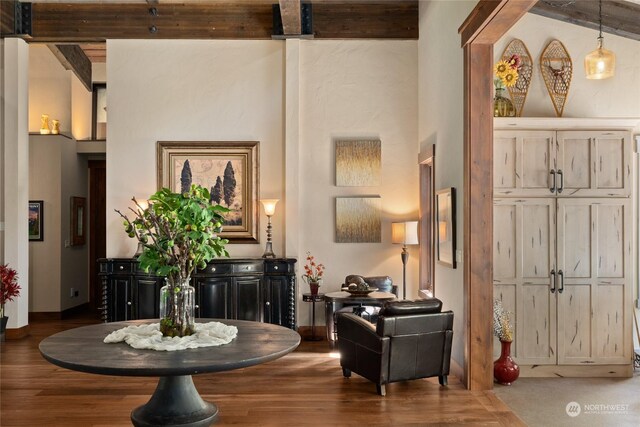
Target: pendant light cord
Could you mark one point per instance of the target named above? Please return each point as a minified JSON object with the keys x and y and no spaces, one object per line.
{"x":600,"y":17}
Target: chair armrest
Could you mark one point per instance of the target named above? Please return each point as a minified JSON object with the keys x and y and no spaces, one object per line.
{"x":355,"y":329}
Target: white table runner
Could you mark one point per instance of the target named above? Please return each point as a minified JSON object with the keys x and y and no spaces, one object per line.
{"x":149,"y":337}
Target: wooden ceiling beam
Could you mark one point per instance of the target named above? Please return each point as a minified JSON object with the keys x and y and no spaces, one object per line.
{"x":290,"y":12}
{"x":7,"y":17}
{"x":87,"y":22}
{"x":621,"y":18}
{"x":73,"y":58}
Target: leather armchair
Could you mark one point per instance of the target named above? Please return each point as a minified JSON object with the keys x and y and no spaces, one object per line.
{"x":411,"y":340}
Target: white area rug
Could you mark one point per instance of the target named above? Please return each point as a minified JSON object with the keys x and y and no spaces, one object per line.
{"x":149,"y":337}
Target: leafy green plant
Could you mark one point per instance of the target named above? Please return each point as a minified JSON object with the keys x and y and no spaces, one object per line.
{"x":178,"y":232}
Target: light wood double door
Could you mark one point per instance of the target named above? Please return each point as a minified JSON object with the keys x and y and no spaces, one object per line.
{"x":563,"y":265}
{"x":571,"y":163}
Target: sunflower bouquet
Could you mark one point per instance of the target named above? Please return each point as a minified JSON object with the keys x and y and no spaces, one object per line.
{"x":506,"y":72}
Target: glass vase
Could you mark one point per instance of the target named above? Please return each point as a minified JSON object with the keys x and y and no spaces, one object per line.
{"x":502,"y":106}
{"x":177,"y":308}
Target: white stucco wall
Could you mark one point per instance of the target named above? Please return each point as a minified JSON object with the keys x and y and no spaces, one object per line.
{"x":44,"y":184}
{"x":191,"y":91}
{"x":358,"y":89}
{"x":234,"y":90}
{"x":618,"y":96}
{"x":441,"y":123}
{"x":49,"y":89}
{"x":15,"y":147}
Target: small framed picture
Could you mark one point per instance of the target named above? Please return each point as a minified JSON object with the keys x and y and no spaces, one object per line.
{"x":78,"y":213}
{"x":36,"y":220}
{"x":446,"y":226}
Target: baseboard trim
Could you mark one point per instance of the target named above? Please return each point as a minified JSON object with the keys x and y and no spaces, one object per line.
{"x":74,"y":311}
{"x":44,"y":315}
{"x":305,"y":331}
{"x":576,"y":371}
{"x":59,"y":315}
{"x":17,"y":333}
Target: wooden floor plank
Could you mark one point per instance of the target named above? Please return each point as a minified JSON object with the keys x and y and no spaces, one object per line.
{"x":304,"y":388}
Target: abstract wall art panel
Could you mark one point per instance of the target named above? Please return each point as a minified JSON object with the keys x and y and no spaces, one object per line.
{"x":358,"y":220}
{"x":358,"y":163}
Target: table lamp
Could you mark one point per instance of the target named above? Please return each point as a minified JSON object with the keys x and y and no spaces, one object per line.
{"x":142,"y":205}
{"x":269,"y":206}
{"x":405,"y":233}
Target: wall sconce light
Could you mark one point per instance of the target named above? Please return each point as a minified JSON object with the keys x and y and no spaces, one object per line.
{"x":405,"y":233}
{"x":269,"y":206}
{"x":601,"y":63}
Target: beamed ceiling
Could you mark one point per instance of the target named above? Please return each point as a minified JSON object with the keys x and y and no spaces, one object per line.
{"x":87,"y":24}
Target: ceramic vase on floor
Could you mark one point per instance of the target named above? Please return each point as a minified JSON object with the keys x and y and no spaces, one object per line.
{"x":505,"y":370}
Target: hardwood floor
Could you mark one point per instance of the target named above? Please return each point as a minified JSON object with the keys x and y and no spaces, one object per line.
{"x":304,"y":388}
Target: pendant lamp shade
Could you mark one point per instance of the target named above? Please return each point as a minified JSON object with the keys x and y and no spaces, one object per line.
{"x":601,"y":63}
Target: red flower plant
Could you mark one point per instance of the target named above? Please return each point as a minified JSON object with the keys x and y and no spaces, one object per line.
{"x":312,"y":272}
{"x":9,"y":287}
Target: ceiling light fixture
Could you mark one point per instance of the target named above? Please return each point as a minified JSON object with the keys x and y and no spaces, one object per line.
{"x":601,"y":63}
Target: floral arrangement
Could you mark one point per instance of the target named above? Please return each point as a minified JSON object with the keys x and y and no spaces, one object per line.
{"x":9,"y":288}
{"x":312,"y":271}
{"x":502,"y":327}
{"x":507,"y":72}
{"x":178,"y":232}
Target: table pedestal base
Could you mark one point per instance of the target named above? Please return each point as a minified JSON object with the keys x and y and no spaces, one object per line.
{"x":175,"y":402}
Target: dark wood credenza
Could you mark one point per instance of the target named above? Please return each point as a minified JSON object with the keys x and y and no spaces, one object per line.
{"x":256,"y":289}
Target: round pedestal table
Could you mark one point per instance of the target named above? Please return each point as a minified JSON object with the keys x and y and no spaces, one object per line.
{"x":175,"y":400}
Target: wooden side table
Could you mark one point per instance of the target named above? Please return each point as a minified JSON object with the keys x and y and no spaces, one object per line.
{"x":313,"y":299}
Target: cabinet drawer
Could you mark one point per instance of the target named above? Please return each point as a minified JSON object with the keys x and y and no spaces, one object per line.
{"x":215,"y":269}
{"x":122,"y":267}
{"x":248,"y":267}
{"x":278,"y":267}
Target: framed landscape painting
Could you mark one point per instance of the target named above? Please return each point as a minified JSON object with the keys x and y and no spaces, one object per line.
{"x":229,"y":170}
{"x":36,"y":220}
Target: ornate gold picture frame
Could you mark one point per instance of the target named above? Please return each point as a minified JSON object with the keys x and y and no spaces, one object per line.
{"x":228,"y":169}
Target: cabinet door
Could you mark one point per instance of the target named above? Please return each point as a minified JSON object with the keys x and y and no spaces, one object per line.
{"x":523,"y":258}
{"x":594,"y":255}
{"x":146,"y":292}
{"x":522,"y":162}
{"x":213,"y":295}
{"x":594,"y":163}
{"x":248,"y":298}
{"x":120,"y":301}
{"x":276,"y":300}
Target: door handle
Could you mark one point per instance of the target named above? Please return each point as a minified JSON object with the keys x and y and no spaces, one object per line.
{"x":553,"y":281}
{"x":561,"y":186}
{"x":561,"y":288}
{"x":553,"y":175}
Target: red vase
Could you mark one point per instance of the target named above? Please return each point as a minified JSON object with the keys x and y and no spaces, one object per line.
{"x":314,"y":287}
{"x":505,"y":370}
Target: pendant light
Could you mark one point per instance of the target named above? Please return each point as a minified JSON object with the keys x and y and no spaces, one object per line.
{"x":601,"y":63}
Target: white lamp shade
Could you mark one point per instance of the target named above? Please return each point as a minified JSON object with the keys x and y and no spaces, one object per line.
{"x":269,"y":206}
{"x":405,"y":233}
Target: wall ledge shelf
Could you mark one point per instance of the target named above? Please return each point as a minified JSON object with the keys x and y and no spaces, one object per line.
{"x":91,"y":147}
{"x":561,"y":123}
